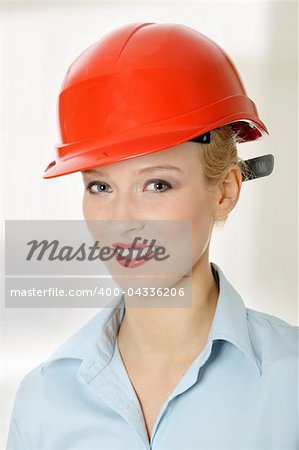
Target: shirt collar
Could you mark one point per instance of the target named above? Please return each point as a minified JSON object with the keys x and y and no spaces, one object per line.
{"x":230,"y":321}
{"x":94,"y":343}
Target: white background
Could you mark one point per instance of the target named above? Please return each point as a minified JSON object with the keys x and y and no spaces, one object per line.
{"x":257,"y":249}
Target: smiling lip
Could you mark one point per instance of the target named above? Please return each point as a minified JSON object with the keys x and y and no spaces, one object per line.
{"x":127,"y":262}
{"x":121,"y":244}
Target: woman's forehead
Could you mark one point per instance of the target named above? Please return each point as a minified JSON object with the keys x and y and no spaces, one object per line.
{"x":176,"y":159}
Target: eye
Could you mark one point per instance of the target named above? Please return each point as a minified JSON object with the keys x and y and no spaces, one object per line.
{"x":96,"y":187}
{"x":159,"y":184}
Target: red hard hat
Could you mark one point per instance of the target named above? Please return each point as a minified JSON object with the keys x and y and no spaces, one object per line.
{"x":145,"y":87}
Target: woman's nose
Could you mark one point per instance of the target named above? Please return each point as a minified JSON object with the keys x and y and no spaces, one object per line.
{"x":123,"y":228}
{"x":123,"y":207}
{"x":118,"y":221}
{"x":125,"y":215}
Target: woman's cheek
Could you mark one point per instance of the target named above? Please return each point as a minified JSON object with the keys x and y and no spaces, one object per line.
{"x":91,"y":208}
{"x":202,"y":226}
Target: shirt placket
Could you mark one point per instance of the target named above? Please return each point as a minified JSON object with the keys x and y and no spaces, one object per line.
{"x":115,"y":388}
{"x":109,"y":388}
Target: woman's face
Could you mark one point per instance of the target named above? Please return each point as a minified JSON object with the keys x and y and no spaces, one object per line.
{"x":166,"y":186}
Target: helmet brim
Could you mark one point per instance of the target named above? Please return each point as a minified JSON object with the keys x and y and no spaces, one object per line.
{"x":81,"y":156}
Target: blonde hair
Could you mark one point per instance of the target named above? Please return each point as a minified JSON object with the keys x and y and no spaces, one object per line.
{"x":217,"y":156}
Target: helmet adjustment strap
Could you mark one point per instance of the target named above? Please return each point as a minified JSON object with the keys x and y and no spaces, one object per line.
{"x":203,"y":138}
{"x":259,"y":167}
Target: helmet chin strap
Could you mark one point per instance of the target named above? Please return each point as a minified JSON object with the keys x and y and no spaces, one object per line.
{"x":259,"y":167}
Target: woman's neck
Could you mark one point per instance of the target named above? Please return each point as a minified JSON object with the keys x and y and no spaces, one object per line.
{"x":167,"y":336}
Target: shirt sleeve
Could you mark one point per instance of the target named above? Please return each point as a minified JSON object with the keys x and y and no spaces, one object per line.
{"x":18,"y":437}
{"x":14,"y":441}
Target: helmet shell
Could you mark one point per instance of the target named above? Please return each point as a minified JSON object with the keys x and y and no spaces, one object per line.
{"x":145,"y":87}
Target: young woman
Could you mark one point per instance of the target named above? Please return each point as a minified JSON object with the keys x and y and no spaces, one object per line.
{"x":151,"y":115}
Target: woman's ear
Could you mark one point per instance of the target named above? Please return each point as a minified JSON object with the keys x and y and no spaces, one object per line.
{"x":229,"y":189}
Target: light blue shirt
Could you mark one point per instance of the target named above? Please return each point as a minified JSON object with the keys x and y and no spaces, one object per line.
{"x":241,"y":392}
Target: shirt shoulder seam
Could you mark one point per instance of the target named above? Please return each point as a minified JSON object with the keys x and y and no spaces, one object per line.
{"x":269,"y":318}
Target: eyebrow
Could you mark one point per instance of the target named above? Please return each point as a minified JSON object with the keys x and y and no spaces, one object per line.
{"x":144,"y":170}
